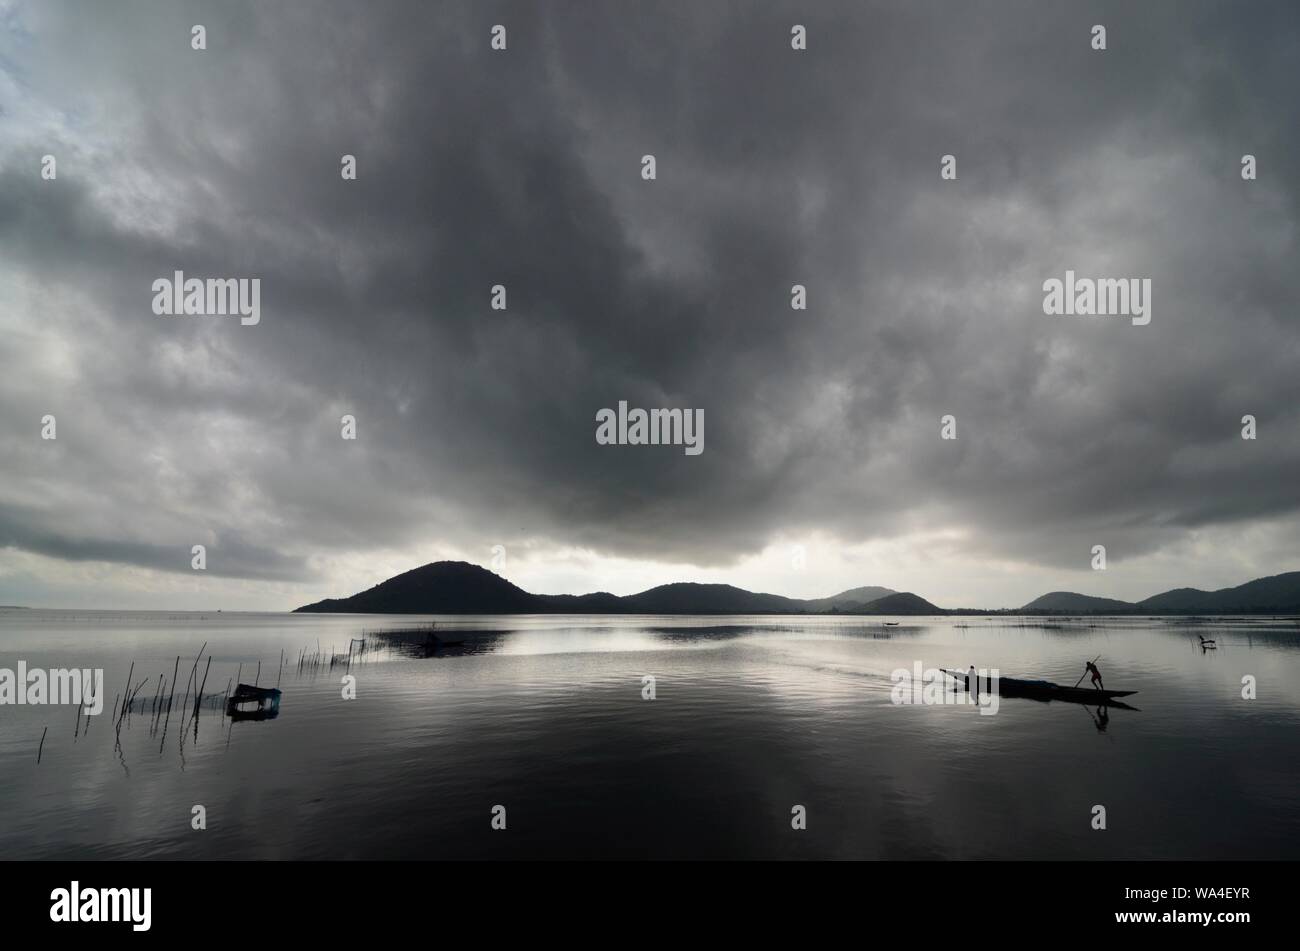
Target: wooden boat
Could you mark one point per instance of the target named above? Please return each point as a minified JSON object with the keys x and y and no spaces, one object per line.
{"x":1045,"y":690}
{"x":264,"y":701}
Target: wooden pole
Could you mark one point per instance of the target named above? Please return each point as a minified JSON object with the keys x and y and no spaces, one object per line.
{"x":198,"y":698}
{"x":171,"y":696}
{"x":126,"y":696}
{"x":185,"y":700}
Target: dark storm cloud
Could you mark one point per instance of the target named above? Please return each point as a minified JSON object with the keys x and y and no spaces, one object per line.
{"x":522,"y":168}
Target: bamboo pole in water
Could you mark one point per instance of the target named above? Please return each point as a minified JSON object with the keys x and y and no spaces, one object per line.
{"x":41,"y":748}
{"x":126,"y":700}
{"x":131,"y":703}
{"x":185,"y":700}
{"x":198,"y":698}
{"x":194,"y":673}
{"x":126,"y":696}
{"x":157,"y":709}
{"x":175,"y":669}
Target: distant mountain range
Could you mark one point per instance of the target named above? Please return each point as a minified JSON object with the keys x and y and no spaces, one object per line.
{"x":1279,"y":594}
{"x":456,"y":587}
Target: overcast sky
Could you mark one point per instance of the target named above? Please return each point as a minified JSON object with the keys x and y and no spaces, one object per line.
{"x":476,"y":167}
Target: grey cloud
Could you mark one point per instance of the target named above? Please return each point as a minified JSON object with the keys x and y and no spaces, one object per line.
{"x":522,"y":168}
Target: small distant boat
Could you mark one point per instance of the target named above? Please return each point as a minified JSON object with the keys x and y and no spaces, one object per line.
{"x":1046,"y":690}
{"x":1208,"y":645}
{"x":891,"y":624}
{"x":264,"y":701}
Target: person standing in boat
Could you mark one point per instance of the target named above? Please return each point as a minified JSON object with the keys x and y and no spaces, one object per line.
{"x":1091,"y":668}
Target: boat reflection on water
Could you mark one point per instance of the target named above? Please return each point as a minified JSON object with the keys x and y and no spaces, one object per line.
{"x":426,"y":642}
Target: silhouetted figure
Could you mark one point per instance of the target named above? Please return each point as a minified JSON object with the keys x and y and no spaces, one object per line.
{"x":1091,"y":668}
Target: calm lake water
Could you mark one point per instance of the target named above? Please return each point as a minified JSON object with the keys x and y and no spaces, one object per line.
{"x":752,"y":716}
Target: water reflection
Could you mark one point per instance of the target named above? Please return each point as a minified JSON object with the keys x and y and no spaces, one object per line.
{"x":428,"y":641}
{"x":547,"y":715}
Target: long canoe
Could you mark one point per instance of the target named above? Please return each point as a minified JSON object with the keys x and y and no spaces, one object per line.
{"x":1046,"y":690}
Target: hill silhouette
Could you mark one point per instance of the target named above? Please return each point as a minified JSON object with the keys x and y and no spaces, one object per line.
{"x":1065,"y":601}
{"x":1279,"y":594}
{"x":443,"y":587}
{"x":847,"y":599}
{"x":901,"y":602}
{"x":457,"y":587}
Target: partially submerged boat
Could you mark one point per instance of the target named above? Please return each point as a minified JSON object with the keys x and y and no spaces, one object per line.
{"x":1045,"y":690}
{"x":253,"y":703}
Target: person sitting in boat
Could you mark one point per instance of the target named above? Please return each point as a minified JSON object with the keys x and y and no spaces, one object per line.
{"x":1091,"y":668}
